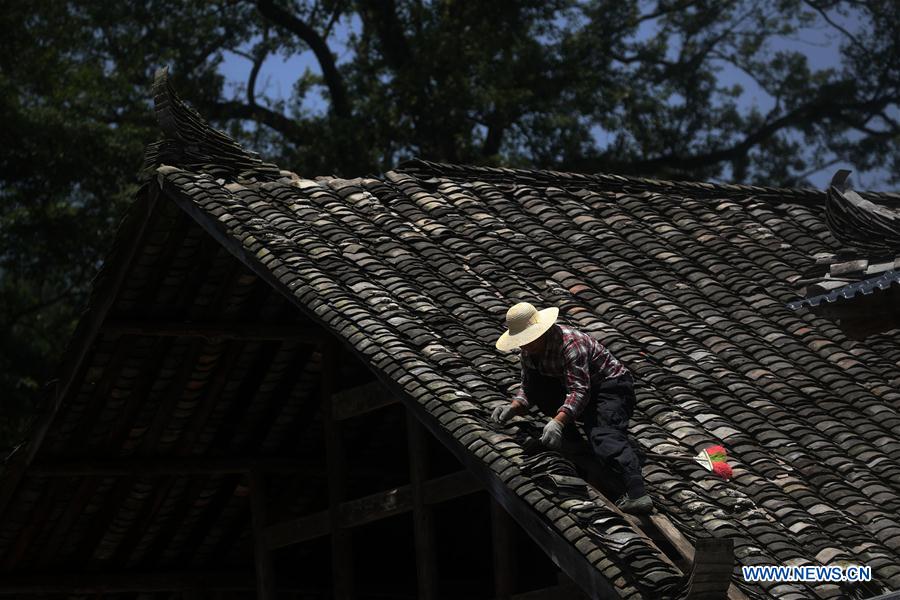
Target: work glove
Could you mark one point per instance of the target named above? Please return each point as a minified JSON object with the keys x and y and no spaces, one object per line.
{"x":552,"y":436}
{"x":503,"y":414}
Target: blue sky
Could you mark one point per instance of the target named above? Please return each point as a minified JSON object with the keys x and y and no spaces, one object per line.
{"x":820,"y":44}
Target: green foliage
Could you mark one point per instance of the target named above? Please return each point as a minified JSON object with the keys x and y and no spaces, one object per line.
{"x":627,"y":86}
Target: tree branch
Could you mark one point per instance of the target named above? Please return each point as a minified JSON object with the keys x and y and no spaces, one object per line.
{"x":335,"y":15}
{"x":824,"y":14}
{"x":496,"y":126}
{"x":819,"y":167}
{"x":659,"y":12}
{"x":13,"y":320}
{"x":282,"y":18}
{"x":382,"y":16}
{"x":261,"y":52}
{"x":815,"y":111}
{"x":291,"y":129}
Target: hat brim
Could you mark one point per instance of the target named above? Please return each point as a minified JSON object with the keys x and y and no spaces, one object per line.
{"x":546,"y":319}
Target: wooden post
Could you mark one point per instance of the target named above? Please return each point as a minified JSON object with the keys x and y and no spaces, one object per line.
{"x":341,"y":554}
{"x":504,"y":562}
{"x":265,"y":574}
{"x":423,"y":525}
{"x":711,"y":573}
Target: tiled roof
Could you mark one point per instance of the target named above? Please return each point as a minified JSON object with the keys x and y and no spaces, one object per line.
{"x":870,"y":261}
{"x":847,"y":291}
{"x":687,"y":283}
{"x":860,"y":222}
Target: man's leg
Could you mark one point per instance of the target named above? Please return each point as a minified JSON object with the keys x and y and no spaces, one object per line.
{"x":608,"y":432}
{"x":612,"y":445}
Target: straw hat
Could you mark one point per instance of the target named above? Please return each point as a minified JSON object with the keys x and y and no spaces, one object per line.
{"x":525,"y":324}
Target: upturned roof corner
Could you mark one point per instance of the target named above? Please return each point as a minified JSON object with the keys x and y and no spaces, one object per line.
{"x":190,"y":142}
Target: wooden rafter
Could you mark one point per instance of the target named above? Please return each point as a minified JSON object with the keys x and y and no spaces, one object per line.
{"x":246,"y":395}
{"x":368,"y":509}
{"x":170,"y":466}
{"x":360,"y":400}
{"x":18,"y":585}
{"x":657,"y":525}
{"x":123,"y":582}
{"x":169,"y":399}
{"x":711,"y":573}
{"x":119,"y":432}
{"x":83,"y":339}
{"x":215,"y":331}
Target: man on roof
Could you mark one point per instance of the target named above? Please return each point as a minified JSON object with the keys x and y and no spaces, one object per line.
{"x":571,"y":376}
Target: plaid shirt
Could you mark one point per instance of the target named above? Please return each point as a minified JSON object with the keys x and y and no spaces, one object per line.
{"x":576,"y":358}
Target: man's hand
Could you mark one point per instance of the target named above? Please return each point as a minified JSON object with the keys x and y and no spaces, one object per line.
{"x":552,"y":436}
{"x":502,"y":414}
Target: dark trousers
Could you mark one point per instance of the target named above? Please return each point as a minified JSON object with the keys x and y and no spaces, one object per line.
{"x":604,"y":421}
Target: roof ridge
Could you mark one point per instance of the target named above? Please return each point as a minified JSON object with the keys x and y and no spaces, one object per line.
{"x":190,"y":142}
{"x":418,"y":166}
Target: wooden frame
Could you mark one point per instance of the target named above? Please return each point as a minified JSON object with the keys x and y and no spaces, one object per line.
{"x":502,"y":529}
{"x":265,"y":574}
{"x":134,"y":582}
{"x":159,"y":467}
{"x":423,"y":518}
{"x":83,"y":338}
{"x":341,"y":551}
{"x":214,"y":331}
{"x":371,"y":508}
{"x":562,"y":552}
{"x":360,"y":400}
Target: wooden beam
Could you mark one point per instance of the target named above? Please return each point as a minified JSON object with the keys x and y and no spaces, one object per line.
{"x":149,"y":510}
{"x":423,"y":519}
{"x":560,"y":550}
{"x":216,"y":331}
{"x":503,"y":549}
{"x":112,"y":276}
{"x":565,"y":591}
{"x":119,"y":431}
{"x":653,"y":525}
{"x":670,"y":533}
{"x":712,"y":569}
{"x":265,"y":574}
{"x":215,"y":514}
{"x":371,"y":508}
{"x":341,"y":552}
{"x":448,"y":487}
{"x":687,"y":551}
{"x":14,"y":584}
{"x":124,"y":582}
{"x":170,"y":466}
{"x":360,"y":400}
{"x":235,"y":415}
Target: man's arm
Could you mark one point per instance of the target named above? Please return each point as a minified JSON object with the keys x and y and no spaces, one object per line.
{"x":517,"y":406}
{"x":521,"y":397}
{"x":578,"y":381}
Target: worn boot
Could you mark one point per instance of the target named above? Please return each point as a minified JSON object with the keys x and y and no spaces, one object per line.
{"x":641,"y":505}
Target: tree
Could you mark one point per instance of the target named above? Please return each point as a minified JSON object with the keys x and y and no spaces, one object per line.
{"x":626,"y":86}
